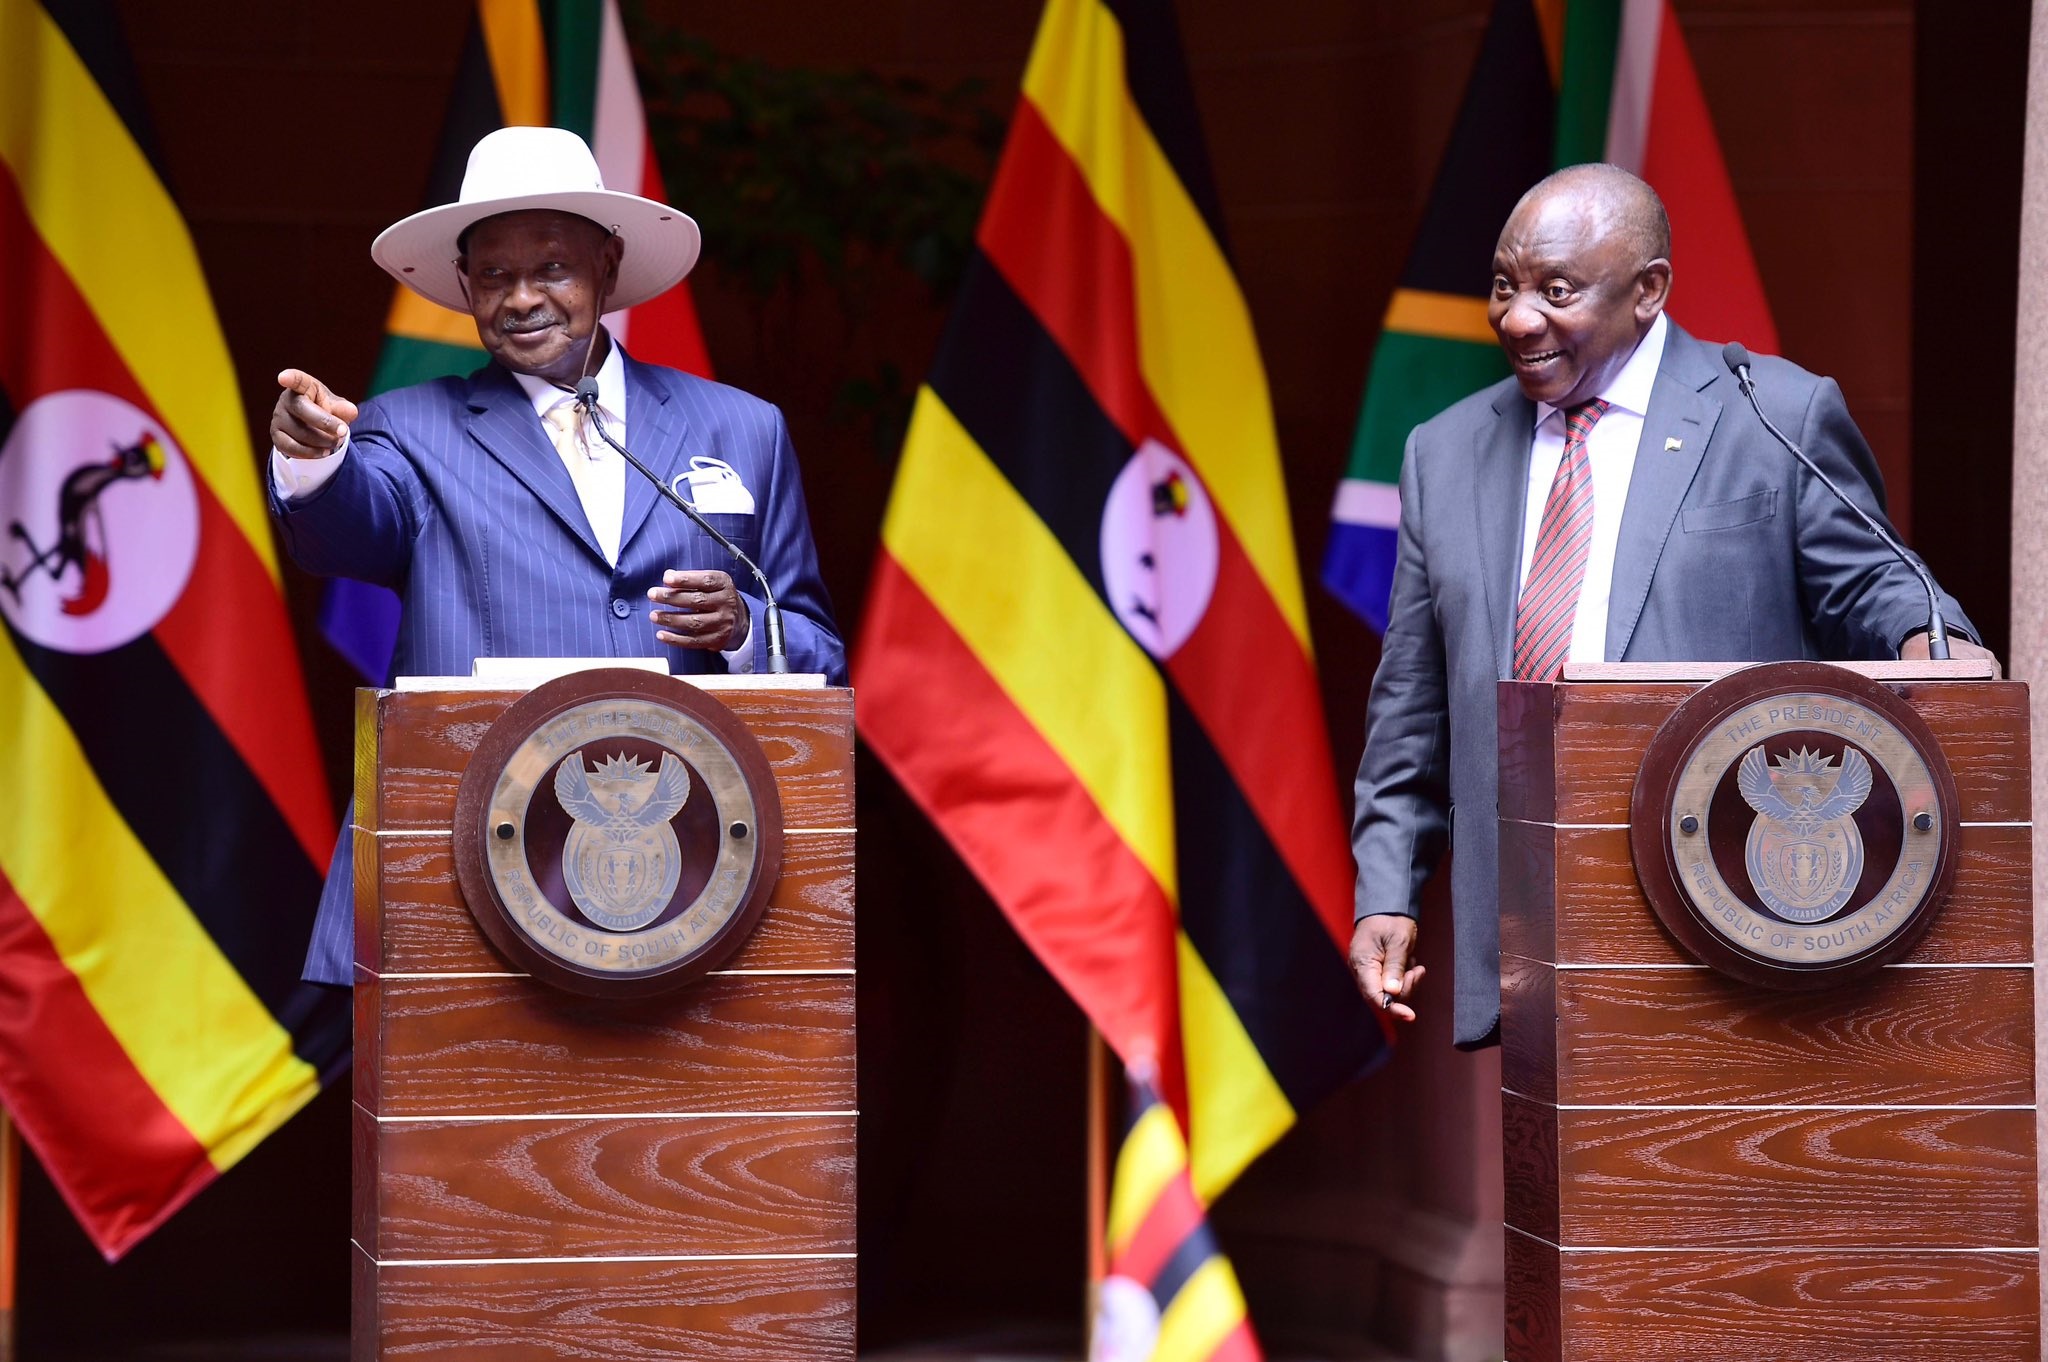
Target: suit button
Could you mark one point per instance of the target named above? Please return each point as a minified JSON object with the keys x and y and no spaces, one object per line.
{"x":621,"y":609}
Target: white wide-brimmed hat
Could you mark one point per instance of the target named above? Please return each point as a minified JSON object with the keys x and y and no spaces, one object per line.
{"x":520,"y":168}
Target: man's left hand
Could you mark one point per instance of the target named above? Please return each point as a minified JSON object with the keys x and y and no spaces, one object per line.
{"x":1914,"y":649}
{"x":698,"y":610}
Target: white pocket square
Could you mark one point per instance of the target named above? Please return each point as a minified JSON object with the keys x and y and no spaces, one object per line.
{"x":716,"y":489}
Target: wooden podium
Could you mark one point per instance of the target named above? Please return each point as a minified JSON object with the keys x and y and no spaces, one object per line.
{"x":540,"y":1175}
{"x":1703,"y":1168}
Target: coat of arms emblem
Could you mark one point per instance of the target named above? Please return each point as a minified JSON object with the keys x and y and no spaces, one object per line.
{"x":1804,"y":853}
{"x":618,"y":833}
{"x":1794,"y":825}
{"x":621,"y":862}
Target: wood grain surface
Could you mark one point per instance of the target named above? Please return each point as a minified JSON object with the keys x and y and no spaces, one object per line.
{"x":1570,"y":894}
{"x":1535,"y":1329}
{"x":422,"y":741}
{"x":1527,"y":720}
{"x":1586,"y":771}
{"x":1530,"y":896}
{"x":363,"y":1177}
{"x":610,"y":1186}
{"x":793,"y":1310}
{"x":1528,"y":1028}
{"x":1810,"y":1305}
{"x":425,"y":927}
{"x":654,"y":1130}
{"x":1929,"y":1036}
{"x":507,"y":1046}
{"x":1529,"y":1153}
{"x":368,"y":732}
{"x":1805,"y":1233}
{"x":1902,"y":1178}
{"x":1602,"y":733}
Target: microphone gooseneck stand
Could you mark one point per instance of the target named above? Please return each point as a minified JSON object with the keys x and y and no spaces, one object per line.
{"x":1736,"y":357}
{"x":778,"y":655}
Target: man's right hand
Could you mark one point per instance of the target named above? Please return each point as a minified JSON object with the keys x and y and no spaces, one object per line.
{"x":309,"y":422}
{"x":1382,"y":947}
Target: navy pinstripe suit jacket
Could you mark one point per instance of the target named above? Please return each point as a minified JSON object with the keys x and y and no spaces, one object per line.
{"x":453,"y":495}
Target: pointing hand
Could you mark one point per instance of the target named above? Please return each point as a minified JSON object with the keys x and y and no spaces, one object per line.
{"x":309,"y":422}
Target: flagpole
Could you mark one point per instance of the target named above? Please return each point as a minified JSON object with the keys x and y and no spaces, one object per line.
{"x":1098,"y":1177}
{"x":10,"y":1224}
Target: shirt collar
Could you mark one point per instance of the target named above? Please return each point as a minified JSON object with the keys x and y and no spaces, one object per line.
{"x":1630,"y":390}
{"x":611,"y":388}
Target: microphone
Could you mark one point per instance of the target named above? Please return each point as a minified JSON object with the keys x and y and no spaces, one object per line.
{"x":1736,"y":357}
{"x":778,"y":654}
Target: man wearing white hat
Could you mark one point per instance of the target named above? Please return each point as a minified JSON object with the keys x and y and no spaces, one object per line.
{"x":507,"y":524}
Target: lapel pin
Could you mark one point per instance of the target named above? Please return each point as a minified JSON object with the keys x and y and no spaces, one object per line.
{"x":1672,"y":444}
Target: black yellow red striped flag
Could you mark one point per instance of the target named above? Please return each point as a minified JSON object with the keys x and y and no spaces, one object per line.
{"x":165,"y":818}
{"x":1169,"y":1294}
{"x":1085,"y":652}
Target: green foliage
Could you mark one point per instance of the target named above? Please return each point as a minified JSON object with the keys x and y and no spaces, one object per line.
{"x":839,"y":168}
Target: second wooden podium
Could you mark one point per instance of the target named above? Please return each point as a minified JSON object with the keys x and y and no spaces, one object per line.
{"x":544,"y":1175}
{"x":1705,"y":1165}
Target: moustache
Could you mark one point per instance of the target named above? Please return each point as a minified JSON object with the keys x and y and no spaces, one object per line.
{"x":519,"y":326}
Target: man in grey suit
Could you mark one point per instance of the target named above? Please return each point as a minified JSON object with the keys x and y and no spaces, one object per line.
{"x":1615,"y":499}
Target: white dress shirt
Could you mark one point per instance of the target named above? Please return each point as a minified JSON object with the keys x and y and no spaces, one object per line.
{"x":1611,"y":449}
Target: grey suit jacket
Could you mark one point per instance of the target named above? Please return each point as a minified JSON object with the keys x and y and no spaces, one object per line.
{"x":1729,"y":551}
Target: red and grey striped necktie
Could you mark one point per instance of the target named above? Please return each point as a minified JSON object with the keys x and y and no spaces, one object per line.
{"x":1550,"y":598}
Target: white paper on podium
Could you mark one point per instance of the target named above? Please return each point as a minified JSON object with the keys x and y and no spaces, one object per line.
{"x":524,"y":673}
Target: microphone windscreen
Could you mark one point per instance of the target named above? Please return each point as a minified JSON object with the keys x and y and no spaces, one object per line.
{"x":586,"y":390}
{"x":1735,"y":356}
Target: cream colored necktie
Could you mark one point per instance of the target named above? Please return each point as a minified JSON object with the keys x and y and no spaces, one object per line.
{"x":600,"y":483}
{"x":566,"y":430}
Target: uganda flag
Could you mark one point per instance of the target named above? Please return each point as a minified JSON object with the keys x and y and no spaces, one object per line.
{"x":1085,"y":653}
{"x":166,"y":820}
{"x":503,"y":80}
{"x":1557,"y":83}
{"x":1169,"y":1295}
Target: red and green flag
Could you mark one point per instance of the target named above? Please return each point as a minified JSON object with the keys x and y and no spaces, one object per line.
{"x":1086,"y":653}
{"x":564,"y":63}
{"x":1557,"y":83}
{"x":163,"y":816}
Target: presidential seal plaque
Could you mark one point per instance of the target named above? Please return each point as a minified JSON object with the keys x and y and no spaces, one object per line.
{"x":1794,"y":825}
{"x":617,"y":833}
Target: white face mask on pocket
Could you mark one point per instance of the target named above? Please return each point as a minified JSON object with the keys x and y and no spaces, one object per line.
{"x":716,"y":489}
